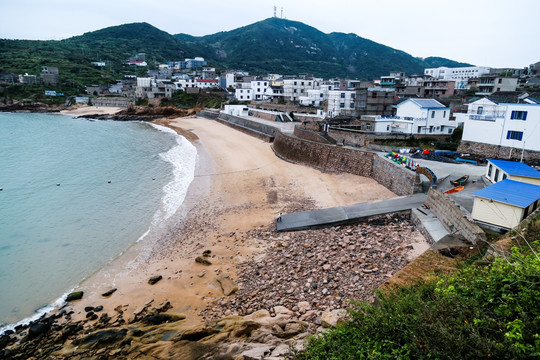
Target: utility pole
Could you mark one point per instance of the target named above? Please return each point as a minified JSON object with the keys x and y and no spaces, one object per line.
{"x":275,"y":9}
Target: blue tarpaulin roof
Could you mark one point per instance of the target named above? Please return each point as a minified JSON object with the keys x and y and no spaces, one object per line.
{"x":511,"y":192}
{"x":516,"y":168}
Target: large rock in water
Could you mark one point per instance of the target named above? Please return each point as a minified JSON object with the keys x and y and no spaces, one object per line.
{"x":227,"y":285}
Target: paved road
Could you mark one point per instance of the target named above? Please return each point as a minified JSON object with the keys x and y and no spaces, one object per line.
{"x":346,"y":214}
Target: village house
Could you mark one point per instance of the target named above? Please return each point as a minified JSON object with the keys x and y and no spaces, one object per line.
{"x":498,"y":170}
{"x":508,"y":125}
{"x":429,"y":116}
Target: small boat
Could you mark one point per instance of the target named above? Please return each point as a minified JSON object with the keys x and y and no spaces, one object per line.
{"x":454,"y":190}
{"x":461,"y":181}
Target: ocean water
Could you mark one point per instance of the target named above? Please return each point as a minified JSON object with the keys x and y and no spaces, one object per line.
{"x":76,"y":194}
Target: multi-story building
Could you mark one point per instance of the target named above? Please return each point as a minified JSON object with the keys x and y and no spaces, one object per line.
{"x":509,"y":125}
{"x":488,"y":84}
{"x":243,"y":91}
{"x":340,"y":102}
{"x":294,"y":88}
{"x":460,"y":75}
{"x":50,"y":75}
{"x":435,"y":88}
{"x":195,"y":63}
{"x":429,"y":116}
{"x":259,"y":89}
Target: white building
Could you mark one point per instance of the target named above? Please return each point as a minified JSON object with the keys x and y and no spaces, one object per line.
{"x":460,"y":75}
{"x":429,"y":116}
{"x":259,"y":89}
{"x":503,"y":124}
{"x":243,"y":92}
{"x":236,"y":110}
{"x":339,"y":101}
{"x":294,"y":88}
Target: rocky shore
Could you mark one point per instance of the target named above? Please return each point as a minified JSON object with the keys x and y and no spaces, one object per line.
{"x":299,"y":285}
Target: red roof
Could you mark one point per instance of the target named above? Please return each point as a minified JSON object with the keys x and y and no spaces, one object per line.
{"x":207,"y":80}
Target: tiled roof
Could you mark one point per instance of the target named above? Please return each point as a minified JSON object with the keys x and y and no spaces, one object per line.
{"x":511,"y":192}
{"x":516,"y":168}
{"x":427,"y":103}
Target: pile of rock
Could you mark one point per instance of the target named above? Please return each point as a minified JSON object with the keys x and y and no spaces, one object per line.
{"x":320,"y":270}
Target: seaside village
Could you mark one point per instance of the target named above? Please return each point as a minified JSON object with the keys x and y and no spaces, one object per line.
{"x":460,"y":147}
{"x":496,"y":111}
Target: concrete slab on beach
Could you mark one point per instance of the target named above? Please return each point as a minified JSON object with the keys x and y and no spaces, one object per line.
{"x":348,"y":214}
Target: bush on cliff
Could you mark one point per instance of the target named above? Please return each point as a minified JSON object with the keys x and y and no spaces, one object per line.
{"x":487,"y":310}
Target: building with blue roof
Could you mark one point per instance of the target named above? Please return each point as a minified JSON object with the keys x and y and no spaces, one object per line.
{"x":428,"y":115}
{"x":498,"y":170}
{"x":505,"y":204}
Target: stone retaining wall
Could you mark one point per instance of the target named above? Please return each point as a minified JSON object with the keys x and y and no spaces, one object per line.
{"x":310,"y":135}
{"x":266,"y":115}
{"x":325,"y":157}
{"x":399,"y":180}
{"x":453,"y":217}
{"x":497,"y":152}
{"x":209,"y":114}
{"x":253,"y":128}
{"x":112,"y":102}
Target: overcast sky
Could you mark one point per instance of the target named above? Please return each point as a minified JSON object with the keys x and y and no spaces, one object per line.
{"x":497,"y":33}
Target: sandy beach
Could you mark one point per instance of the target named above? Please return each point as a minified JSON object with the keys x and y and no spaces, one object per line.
{"x":240,"y":185}
{"x":80,"y":110}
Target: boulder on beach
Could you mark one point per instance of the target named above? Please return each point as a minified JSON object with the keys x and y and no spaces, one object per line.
{"x":227,"y":285}
{"x":77,"y":295}
{"x":154,"y":279}
{"x":109,"y":292}
{"x":202,"y":260}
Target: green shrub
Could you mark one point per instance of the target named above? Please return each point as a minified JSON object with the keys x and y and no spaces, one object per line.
{"x":489,"y":310}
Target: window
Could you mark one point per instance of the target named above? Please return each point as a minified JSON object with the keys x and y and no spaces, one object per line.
{"x":480,"y":110}
{"x":490,"y":168}
{"x":419,"y":129}
{"x":374,"y":95}
{"x":368,"y":126}
{"x":444,"y":114}
{"x":295,"y":83}
{"x":343,"y":95}
{"x":386,"y":95}
{"x":496,"y":178}
{"x":342,"y":105}
{"x":514,"y":135}
{"x":302,"y":83}
{"x":500,"y":81}
{"x":432,"y":115}
{"x":504,"y":176}
{"x":320,"y":95}
{"x":518,"y":115}
{"x":352,"y":96}
{"x":450,"y":131}
{"x":387,"y":127}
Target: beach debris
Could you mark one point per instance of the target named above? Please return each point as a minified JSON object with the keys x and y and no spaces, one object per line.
{"x":227,"y":285}
{"x":202,"y":260}
{"x":109,"y":292}
{"x":202,"y":273}
{"x":89,"y":308}
{"x":206,"y":253}
{"x":154,"y":279}
{"x":77,"y":295}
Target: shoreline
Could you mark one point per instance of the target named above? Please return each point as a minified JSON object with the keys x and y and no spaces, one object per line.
{"x":228,"y":214}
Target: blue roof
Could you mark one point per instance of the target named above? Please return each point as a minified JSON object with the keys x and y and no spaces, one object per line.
{"x":511,"y":192}
{"x":428,"y":103}
{"x":516,"y":168}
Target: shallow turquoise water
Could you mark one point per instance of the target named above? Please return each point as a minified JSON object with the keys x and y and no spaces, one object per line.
{"x":52,"y":237}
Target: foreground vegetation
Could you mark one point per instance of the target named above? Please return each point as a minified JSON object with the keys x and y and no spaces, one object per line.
{"x":488,"y":309}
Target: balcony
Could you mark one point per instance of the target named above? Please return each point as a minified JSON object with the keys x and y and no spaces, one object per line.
{"x":483,"y":117}
{"x":387,"y":83}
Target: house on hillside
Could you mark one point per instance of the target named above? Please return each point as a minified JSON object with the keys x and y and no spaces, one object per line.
{"x":498,"y":170}
{"x":505,"y":204}
{"x":501,"y":129}
{"x":430,"y":117}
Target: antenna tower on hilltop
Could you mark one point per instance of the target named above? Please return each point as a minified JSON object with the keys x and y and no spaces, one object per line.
{"x":282,"y":13}
{"x":275,"y":8}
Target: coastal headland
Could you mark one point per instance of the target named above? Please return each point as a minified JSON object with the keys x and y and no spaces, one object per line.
{"x":221,"y":257}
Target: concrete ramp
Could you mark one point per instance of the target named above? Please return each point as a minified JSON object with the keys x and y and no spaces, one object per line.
{"x":348,"y":214}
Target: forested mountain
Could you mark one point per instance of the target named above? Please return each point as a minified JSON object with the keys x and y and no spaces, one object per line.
{"x":270,"y":46}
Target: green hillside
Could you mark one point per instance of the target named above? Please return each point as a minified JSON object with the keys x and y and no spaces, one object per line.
{"x":269,"y":46}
